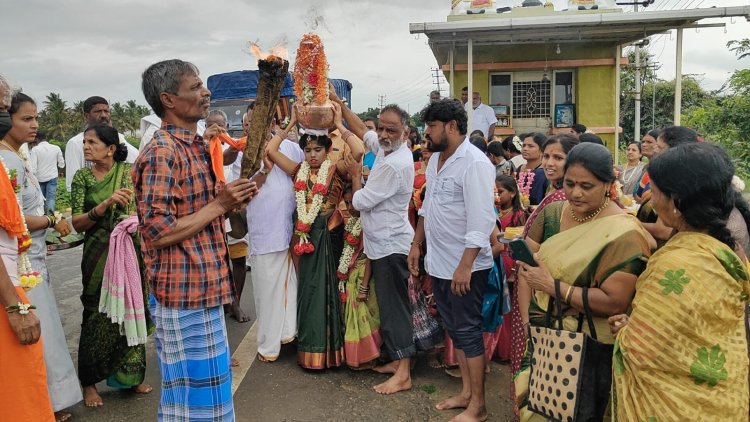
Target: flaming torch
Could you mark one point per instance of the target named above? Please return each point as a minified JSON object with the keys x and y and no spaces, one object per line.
{"x":272,"y":71}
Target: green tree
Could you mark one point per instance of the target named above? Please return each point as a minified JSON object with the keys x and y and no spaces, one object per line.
{"x":117,"y":114}
{"x":416,"y":119}
{"x":54,"y":119}
{"x":724,"y":119}
{"x":657,"y":98}
{"x":371,"y":113}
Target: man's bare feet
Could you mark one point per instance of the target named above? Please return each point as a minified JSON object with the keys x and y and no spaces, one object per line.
{"x":234,"y":363}
{"x":388,"y":368}
{"x":237,"y":313}
{"x":62,"y":416}
{"x":91,"y":397}
{"x":394,"y":385}
{"x":142,"y":389}
{"x":456,"y":402}
{"x":472,"y":415}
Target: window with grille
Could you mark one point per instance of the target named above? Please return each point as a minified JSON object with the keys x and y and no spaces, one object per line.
{"x":531,"y":99}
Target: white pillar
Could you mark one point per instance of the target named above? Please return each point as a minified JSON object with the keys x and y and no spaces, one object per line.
{"x":618,"y":55}
{"x":470,"y":83}
{"x":452,"y":70}
{"x":678,"y":81}
{"x":637,"y":117}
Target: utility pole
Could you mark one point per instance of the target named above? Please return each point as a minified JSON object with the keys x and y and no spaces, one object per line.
{"x":436,"y":75}
{"x":381,"y":100}
{"x":637,"y":134}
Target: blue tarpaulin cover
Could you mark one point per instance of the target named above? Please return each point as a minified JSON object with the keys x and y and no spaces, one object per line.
{"x":243,"y":84}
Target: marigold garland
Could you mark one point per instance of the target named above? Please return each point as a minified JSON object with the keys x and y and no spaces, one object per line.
{"x":352,"y":239}
{"x":311,"y":71}
{"x":306,"y":215}
{"x":27,"y":277}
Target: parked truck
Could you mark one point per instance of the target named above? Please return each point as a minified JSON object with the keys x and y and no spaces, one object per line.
{"x":232,"y":92}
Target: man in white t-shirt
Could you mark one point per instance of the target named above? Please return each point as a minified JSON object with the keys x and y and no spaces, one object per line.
{"x":95,"y":110}
{"x":46,"y":160}
{"x":483,"y":117}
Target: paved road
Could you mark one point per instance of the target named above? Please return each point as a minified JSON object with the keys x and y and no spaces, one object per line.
{"x":65,"y":275}
{"x":279,"y":391}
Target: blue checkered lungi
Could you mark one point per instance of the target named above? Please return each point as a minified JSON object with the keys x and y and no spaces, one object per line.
{"x":194,"y":359}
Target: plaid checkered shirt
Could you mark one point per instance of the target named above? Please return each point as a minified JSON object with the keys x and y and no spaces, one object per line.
{"x":172,"y":178}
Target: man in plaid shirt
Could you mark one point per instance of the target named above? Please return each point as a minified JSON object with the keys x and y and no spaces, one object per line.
{"x":181,"y":211}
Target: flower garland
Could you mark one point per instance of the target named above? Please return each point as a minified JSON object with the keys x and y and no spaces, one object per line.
{"x":27,"y":277}
{"x":352,"y":239}
{"x":525,"y":181}
{"x":311,"y":71}
{"x":306,"y":216}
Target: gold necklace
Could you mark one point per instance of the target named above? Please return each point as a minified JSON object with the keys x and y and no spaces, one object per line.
{"x":592,"y":215}
{"x":504,"y":213}
{"x":10,"y":147}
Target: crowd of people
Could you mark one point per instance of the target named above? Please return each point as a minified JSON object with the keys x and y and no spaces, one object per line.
{"x":373,"y":243}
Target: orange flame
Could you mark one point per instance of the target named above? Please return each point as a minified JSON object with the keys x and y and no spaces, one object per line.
{"x":278,"y":50}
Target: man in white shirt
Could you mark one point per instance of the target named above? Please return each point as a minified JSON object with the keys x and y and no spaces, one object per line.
{"x":151,"y":123}
{"x":383,"y":205}
{"x":456,"y":220}
{"x":95,"y":110}
{"x":483,"y":117}
{"x":274,"y":279}
{"x":46,"y":160}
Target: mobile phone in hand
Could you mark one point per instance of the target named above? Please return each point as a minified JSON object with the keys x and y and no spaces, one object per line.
{"x":519,"y":250}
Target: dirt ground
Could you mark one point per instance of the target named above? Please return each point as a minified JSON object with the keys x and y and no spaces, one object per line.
{"x":282,"y":391}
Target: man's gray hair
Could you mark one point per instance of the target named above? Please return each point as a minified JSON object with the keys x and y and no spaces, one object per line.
{"x":219,"y":112}
{"x":9,"y":89}
{"x":164,"y":76}
{"x":400,"y":112}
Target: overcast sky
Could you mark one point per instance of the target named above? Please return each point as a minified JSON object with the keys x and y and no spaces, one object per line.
{"x":81,"y":48}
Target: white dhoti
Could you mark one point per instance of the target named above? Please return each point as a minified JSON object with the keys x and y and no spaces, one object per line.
{"x":275,"y":290}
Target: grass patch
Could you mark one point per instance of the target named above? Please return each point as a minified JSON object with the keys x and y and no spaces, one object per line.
{"x":429,"y":388}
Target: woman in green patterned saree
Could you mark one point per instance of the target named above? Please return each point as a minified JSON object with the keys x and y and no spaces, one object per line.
{"x":595,"y":245}
{"x":102,"y":197}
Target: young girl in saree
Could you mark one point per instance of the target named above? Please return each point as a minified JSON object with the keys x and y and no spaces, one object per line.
{"x":317,"y":241}
{"x":361,"y":313}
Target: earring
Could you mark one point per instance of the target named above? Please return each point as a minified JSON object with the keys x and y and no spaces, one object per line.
{"x":674,"y":211}
{"x":607,"y":194}
{"x":109,"y":154}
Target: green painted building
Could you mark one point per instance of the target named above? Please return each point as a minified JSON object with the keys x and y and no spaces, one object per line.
{"x":543,"y":70}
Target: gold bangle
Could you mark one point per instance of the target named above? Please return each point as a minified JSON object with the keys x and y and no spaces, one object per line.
{"x":567,"y":295}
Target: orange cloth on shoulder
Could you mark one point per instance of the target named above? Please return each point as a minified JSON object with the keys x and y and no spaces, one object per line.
{"x":10,"y":213}
{"x":217,"y":158}
{"x":217,"y":153}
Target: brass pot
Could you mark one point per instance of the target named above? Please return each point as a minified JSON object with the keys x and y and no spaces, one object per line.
{"x":315,"y":116}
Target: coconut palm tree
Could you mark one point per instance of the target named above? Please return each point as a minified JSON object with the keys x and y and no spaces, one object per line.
{"x":55,"y":118}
